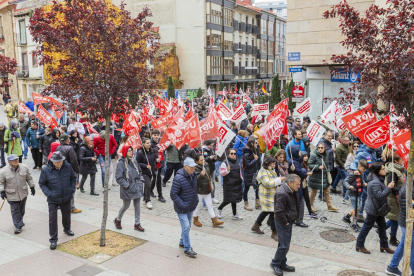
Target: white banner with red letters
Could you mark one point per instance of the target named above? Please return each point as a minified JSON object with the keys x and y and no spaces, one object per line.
{"x":303,"y":108}
{"x":224,"y":139}
{"x":260,"y":109}
{"x":315,"y":132}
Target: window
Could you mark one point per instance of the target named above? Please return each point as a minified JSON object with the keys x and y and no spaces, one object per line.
{"x":270,"y":47}
{"x":263,"y":27}
{"x":252,"y":21}
{"x":245,"y":64}
{"x":25,"y":65}
{"x":282,"y":66}
{"x":270,"y":31}
{"x":284,"y":30}
{"x":270,"y":67}
{"x":247,"y":20}
{"x":34,"y":60}
{"x":246,"y":47}
{"x":22,"y":35}
{"x":278,"y":29}
{"x":1,"y":26}
{"x":279,"y":47}
{"x":239,"y":69}
{"x":214,"y":17}
{"x":228,"y":67}
{"x":228,"y":17}
{"x":252,"y":43}
{"x":263,"y":46}
{"x":216,"y":65}
{"x":240,"y":20}
{"x":228,"y":45}
{"x":214,"y":41}
{"x":263,"y":67}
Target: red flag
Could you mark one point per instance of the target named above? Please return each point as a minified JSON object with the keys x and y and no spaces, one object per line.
{"x":280,"y":107}
{"x":130,"y":124}
{"x":359,"y":119}
{"x":165,"y":142}
{"x":402,"y":143}
{"x":185,"y":133}
{"x":211,"y":106}
{"x":208,"y":128}
{"x":189,"y":114}
{"x":134,"y":140}
{"x":55,"y":102}
{"x":178,"y":117}
{"x":58,"y":111}
{"x":24,"y":109}
{"x":376,"y":134}
{"x":38,"y":99}
{"x":163,"y":121}
{"x":90,"y":128}
{"x":46,"y":118}
{"x":271,"y":131}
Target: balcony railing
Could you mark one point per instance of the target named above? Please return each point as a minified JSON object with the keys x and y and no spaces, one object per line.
{"x":23,"y":72}
{"x":215,"y":19}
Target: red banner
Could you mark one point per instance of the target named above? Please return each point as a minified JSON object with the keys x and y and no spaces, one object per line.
{"x":163,"y":121}
{"x":271,"y":131}
{"x":134,"y":140}
{"x":90,"y":128}
{"x":46,"y":118}
{"x":38,"y":99}
{"x":402,"y":143}
{"x":23,"y":108}
{"x":280,"y":107}
{"x":189,"y":114}
{"x":376,"y":134}
{"x":185,"y":133}
{"x":58,"y":111}
{"x":165,"y":142}
{"x":223,"y":110}
{"x":359,"y":119}
{"x":208,"y":128}
{"x":260,"y":109}
{"x":178,"y":117}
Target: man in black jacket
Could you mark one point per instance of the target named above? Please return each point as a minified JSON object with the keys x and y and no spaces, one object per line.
{"x":58,"y":183}
{"x":159,"y":158}
{"x":286,"y":212}
{"x":70,"y":155}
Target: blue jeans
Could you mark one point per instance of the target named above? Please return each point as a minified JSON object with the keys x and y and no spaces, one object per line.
{"x":102,"y":163}
{"x":394,"y":227}
{"x":363,"y":198}
{"x":284,"y":234}
{"x":341,"y":175}
{"x":399,"y":252}
{"x":185,"y":221}
{"x":25,"y":150}
{"x":367,"y":226}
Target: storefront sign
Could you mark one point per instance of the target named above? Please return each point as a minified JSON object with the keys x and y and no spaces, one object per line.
{"x":318,"y":73}
{"x":342,"y":75}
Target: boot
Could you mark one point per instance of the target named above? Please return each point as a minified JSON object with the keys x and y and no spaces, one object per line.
{"x":363,"y":250}
{"x":93,"y":193}
{"x":256,"y":228}
{"x":274,"y":236}
{"x":81,"y":188}
{"x":197,"y":222}
{"x":257,"y":204}
{"x":331,"y":208}
{"x":388,"y":250}
{"x":394,"y":241}
{"x":312,"y":199}
{"x":247,"y":207}
{"x":216,"y":223}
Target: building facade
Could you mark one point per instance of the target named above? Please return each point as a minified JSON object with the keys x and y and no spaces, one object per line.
{"x":220,"y":41}
{"x":311,"y":40}
{"x":279,"y":7}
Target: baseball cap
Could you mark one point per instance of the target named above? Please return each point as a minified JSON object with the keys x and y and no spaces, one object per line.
{"x":189,"y":162}
{"x":63,"y":137}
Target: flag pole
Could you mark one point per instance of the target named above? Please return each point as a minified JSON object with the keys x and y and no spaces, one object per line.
{"x":392,"y":149}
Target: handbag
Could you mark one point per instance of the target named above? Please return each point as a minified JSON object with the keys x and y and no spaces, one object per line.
{"x":255,"y":183}
{"x":383,"y":210}
{"x":328,"y":174}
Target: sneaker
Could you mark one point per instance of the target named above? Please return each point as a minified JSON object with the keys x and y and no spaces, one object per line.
{"x":393,"y":271}
{"x":149,"y":205}
{"x":215,"y":201}
{"x":346,"y":220}
{"x":162,"y":199}
{"x":218,"y":213}
{"x":139,"y":228}
{"x":190,"y":253}
{"x":237,"y":217}
{"x":18,"y":230}
{"x":117,"y":223}
{"x":313,"y":215}
{"x":344,"y":201}
{"x":25,"y":157}
{"x":75,"y":211}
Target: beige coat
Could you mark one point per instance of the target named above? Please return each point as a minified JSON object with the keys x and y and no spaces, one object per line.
{"x":15,"y":183}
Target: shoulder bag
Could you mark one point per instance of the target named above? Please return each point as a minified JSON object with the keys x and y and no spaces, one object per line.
{"x":328,"y":174}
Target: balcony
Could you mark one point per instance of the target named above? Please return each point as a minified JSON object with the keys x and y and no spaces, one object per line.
{"x":23,"y":72}
{"x":21,"y":39}
{"x":249,"y":28}
{"x":235,"y":70}
{"x":242,"y":71}
{"x":256,"y":29}
{"x":255,"y":51}
{"x":242,"y":26}
{"x":236,"y":25}
{"x":249,"y":49}
{"x":243,"y":47}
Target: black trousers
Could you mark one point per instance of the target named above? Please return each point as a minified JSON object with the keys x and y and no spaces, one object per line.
{"x":37,"y":157}
{"x":271,"y":219}
{"x":156,"y":180}
{"x":284,"y":235}
{"x":53,"y":223}
{"x":92,"y":181}
{"x":18,"y":209}
{"x":233,"y":207}
{"x":147,"y":188}
{"x":368,"y":224}
{"x":171,"y":168}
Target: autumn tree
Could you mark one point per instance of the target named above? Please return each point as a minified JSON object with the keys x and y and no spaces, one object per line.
{"x":95,"y":56}
{"x":7,"y":66}
{"x":170,"y":91}
{"x":275,"y":91}
{"x":380,"y":47}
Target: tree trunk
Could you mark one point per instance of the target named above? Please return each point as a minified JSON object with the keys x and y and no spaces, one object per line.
{"x":409,"y":212}
{"x":107,"y":174}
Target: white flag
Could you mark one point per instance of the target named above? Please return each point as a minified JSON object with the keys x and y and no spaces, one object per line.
{"x":238,"y":115}
{"x":315,"y":132}
{"x":303,"y":108}
{"x":224,"y":139}
{"x":260,"y":109}
{"x":328,"y":118}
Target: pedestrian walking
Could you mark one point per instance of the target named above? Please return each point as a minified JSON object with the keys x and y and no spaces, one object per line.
{"x":130,"y":179}
{"x":58,"y":183}
{"x":286,"y":212}
{"x":250,"y":166}
{"x":33,"y":137}
{"x":13,"y":138}
{"x":159,"y":158}
{"x":23,"y":127}
{"x":3,"y":129}
{"x":146,"y":160}
{"x":13,"y":186}
{"x":87,"y":159}
{"x":184,"y":195}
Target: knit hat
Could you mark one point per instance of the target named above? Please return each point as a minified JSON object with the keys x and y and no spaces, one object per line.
{"x":124,"y":150}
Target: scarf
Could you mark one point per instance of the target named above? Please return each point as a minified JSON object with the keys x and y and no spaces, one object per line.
{"x":130,"y":161}
{"x":282,"y":168}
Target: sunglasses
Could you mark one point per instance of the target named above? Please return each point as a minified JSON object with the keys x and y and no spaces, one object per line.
{"x":232,"y":153}
{"x":356,"y":146}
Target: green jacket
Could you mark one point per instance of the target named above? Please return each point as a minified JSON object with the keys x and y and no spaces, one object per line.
{"x":272,"y":151}
{"x":341,"y":153}
{"x":17,"y":149}
{"x":318,"y":178}
{"x":172,"y":155}
{"x":399,"y":182}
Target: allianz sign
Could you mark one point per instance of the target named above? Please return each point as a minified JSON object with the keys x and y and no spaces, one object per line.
{"x":342,"y":75}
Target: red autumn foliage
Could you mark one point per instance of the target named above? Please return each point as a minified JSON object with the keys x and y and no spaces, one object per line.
{"x":7,"y":66}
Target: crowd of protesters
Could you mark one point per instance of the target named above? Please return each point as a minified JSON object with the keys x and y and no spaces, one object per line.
{"x":282,"y":180}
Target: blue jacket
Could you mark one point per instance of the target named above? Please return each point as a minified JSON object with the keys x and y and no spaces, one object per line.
{"x":30,"y":105}
{"x":184,"y":192}
{"x":239,"y":144}
{"x":58,"y":185}
{"x":32,"y":141}
{"x":293,"y":142}
{"x":299,"y":169}
{"x":366,"y":153}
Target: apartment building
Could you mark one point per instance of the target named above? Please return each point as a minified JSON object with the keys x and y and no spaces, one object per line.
{"x":7,"y":43}
{"x":220,"y":41}
{"x":311,"y":39}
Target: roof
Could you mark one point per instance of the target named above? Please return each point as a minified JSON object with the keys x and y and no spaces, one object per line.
{"x":257,"y":9}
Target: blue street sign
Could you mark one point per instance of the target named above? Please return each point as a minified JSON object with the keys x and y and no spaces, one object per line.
{"x":295,"y":69}
{"x":294,"y":56}
{"x":340,"y":75}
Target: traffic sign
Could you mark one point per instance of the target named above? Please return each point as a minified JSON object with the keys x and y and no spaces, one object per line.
{"x":298,"y":91}
{"x":295,"y":69}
